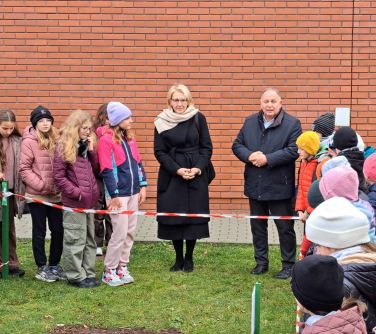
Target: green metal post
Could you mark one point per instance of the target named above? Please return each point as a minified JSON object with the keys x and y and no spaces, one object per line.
{"x":5,"y":231}
{"x":256,"y":309}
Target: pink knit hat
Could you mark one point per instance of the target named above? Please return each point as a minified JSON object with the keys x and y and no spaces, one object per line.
{"x":341,"y":181}
{"x":369,"y":167}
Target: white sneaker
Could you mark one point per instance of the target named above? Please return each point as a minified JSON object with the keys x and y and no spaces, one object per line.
{"x":124,"y":275}
{"x":99,"y":251}
{"x":111,"y":278}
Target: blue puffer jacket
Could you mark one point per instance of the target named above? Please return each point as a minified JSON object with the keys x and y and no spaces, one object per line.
{"x":276,"y":180}
{"x":372,"y":196}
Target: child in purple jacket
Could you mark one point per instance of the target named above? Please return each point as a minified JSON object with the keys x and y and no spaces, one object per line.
{"x":74,"y":166}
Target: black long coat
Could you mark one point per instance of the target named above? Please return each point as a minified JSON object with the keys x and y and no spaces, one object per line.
{"x":276,"y":180}
{"x":187,"y":145}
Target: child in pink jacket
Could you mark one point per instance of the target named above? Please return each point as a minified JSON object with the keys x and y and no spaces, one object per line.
{"x":10,"y":143}
{"x":125,"y":189}
{"x":36,"y":169}
{"x":317,"y":284}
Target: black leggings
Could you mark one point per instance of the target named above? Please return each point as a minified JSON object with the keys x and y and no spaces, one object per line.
{"x":39,"y":215}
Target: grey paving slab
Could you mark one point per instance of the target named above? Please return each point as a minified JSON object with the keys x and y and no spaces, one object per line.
{"x":222,"y":230}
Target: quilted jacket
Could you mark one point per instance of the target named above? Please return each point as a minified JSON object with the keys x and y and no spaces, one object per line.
{"x":77,"y":181}
{"x":36,"y":166}
{"x":306,"y":174}
{"x":342,"y":322}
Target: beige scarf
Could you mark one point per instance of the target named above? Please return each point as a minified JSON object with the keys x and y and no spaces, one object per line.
{"x":168,"y":119}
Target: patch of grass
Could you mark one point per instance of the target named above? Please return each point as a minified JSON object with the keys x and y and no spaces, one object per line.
{"x":215,"y":298}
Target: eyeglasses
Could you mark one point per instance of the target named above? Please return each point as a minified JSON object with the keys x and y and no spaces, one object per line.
{"x":179,"y":100}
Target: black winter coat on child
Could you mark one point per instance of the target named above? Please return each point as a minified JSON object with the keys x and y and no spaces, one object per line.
{"x":356,"y":160}
{"x":360,"y":283}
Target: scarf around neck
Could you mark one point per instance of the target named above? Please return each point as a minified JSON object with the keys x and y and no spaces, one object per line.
{"x":168,"y":119}
{"x":82,"y":148}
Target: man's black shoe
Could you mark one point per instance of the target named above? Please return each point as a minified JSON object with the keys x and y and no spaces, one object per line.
{"x":259,"y":269}
{"x":285,"y":273}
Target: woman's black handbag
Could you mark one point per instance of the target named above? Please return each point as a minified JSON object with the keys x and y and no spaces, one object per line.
{"x":210,"y":171}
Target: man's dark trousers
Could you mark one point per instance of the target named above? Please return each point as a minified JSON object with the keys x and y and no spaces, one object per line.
{"x":286,"y":232}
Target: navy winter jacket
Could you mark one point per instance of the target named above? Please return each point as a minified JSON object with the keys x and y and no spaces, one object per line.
{"x":360,"y":283}
{"x":275,"y":180}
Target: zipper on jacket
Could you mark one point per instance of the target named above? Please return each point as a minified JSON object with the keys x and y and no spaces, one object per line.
{"x":130,"y":164}
{"x":52,"y":166}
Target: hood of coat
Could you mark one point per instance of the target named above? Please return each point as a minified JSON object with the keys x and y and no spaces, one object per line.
{"x":353,"y":154}
{"x":363,"y":277}
{"x":103,"y":130}
{"x":29,"y":133}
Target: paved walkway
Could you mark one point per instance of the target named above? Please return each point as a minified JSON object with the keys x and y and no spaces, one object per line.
{"x":222,"y":230}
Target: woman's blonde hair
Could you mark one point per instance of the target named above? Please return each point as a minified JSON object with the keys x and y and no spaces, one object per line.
{"x":350,"y":302}
{"x":47,"y":141}
{"x":182,"y":89}
{"x":69,"y":134}
{"x":369,"y":247}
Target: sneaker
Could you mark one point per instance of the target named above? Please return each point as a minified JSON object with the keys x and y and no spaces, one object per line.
{"x":44,"y":274}
{"x":93,"y":282}
{"x":81,"y":284}
{"x":99,"y":251}
{"x":124,"y":275}
{"x":111,"y":278}
{"x":59,"y":272}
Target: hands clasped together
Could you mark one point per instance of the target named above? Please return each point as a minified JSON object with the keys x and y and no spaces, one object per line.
{"x":188,"y":173}
{"x":258,"y":159}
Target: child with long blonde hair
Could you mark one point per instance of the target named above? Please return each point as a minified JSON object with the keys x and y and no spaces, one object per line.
{"x":10,"y":142}
{"x":75,"y":165}
{"x":36,"y":169}
{"x":125,"y":188}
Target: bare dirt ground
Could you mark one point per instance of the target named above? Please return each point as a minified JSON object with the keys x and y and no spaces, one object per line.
{"x":87,"y":330}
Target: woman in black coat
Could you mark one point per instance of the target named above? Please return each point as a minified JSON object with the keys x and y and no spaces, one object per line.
{"x":183,"y":147}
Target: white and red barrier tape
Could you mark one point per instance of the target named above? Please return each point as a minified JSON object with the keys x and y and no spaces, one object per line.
{"x":149,"y":213}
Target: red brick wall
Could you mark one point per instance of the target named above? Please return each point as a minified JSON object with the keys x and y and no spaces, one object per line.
{"x":79,"y":54}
